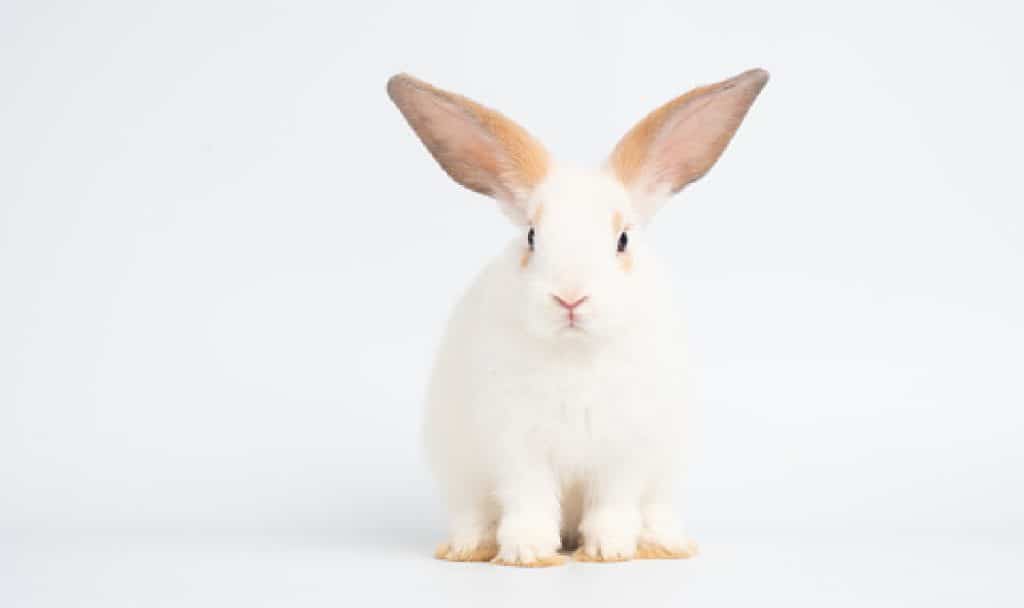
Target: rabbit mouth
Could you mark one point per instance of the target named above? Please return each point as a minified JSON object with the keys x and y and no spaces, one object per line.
{"x":573,"y":324}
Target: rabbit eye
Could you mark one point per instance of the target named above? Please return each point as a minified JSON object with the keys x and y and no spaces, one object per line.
{"x":529,"y":238}
{"x":623,"y":242}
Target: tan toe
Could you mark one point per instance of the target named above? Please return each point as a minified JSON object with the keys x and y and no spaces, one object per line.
{"x":649,"y":550}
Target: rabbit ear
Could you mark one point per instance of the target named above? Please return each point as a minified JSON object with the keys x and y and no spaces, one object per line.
{"x":680,"y":141}
{"x":478,"y":147}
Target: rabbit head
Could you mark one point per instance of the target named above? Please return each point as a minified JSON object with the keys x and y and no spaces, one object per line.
{"x":581,"y":265}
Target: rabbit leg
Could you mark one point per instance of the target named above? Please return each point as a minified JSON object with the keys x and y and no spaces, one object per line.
{"x":528,"y":534}
{"x":474,"y":522}
{"x":611,"y":519}
{"x":661,"y":535}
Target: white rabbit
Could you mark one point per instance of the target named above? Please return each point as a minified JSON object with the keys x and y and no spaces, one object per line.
{"x":554,"y":415}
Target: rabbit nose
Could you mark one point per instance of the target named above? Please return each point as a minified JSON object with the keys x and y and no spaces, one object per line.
{"x":569,"y":303}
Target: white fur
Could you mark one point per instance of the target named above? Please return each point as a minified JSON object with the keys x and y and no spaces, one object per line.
{"x":538,"y":431}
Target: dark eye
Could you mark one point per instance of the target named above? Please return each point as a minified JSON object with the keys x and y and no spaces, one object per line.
{"x":623,"y":241}
{"x":529,"y":238}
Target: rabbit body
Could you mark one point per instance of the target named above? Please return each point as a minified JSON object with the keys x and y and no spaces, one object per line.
{"x":541,"y":439}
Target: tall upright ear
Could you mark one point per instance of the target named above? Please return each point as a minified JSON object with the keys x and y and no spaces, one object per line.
{"x":478,"y":147}
{"x":680,"y":141}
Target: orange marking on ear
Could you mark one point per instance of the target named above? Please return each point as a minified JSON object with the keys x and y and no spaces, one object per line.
{"x":529,"y":159}
{"x":630,"y":154}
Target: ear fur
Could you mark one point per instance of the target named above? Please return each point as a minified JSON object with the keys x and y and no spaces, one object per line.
{"x":679,"y":142}
{"x":478,"y":147}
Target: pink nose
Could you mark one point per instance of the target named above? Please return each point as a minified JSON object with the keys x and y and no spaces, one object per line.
{"x":567,"y":304}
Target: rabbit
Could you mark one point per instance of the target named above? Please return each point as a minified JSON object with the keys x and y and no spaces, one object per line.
{"x":554,"y":417}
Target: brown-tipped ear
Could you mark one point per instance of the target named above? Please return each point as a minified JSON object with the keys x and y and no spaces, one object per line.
{"x":680,"y":141}
{"x":478,"y":147}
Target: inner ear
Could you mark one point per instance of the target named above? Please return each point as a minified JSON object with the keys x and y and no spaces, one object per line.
{"x":679,"y":142}
{"x":476,"y":146}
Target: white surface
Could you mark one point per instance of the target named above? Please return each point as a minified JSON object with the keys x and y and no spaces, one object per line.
{"x":225,"y":261}
{"x":873,"y":570}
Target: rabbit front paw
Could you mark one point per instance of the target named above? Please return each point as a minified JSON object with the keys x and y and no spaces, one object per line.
{"x":662,"y":537}
{"x":608,"y":536}
{"x":528,"y":544}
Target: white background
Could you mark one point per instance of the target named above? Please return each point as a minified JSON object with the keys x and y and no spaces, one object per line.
{"x":225,"y":262}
